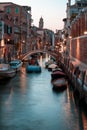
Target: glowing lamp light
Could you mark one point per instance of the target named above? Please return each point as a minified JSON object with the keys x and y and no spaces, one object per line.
{"x":85,"y":32}
{"x":64,"y":48}
{"x":8,"y":39}
{"x":70,"y":37}
{"x":23,"y":41}
{"x":2,"y":43}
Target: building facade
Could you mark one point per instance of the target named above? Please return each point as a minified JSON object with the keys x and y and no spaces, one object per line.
{"x":78,"y":45}
{"x":15,"y":24}
{"x":71,"y":12}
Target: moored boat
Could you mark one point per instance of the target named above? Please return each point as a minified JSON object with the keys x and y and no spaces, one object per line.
{"x":49,"y":62}
{"x":33,"y":68}
{"x":6,"y":71}
{"x":16,"y":64}
{"x":57,"y":69}
{"x":57,"y":74}
{"x":52,"y":66}
{"x":59,"y":84}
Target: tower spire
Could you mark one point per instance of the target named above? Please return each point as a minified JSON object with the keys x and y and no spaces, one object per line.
{"x":41,"y":23}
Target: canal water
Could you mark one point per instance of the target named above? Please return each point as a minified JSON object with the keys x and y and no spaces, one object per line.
{"x":28,"y":102}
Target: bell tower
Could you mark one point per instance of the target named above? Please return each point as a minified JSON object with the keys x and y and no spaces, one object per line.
{"x":41,"y":23}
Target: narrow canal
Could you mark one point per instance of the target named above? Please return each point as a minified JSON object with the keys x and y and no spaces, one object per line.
{"x":28,"y":102}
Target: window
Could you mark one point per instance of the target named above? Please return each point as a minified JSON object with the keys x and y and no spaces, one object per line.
{"x":9,"y":29}
{"x":0,"y":23}
{"x":16,"y":10}
{"x":8,"y":10}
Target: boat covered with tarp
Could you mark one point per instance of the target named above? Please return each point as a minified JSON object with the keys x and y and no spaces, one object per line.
{"x":33,"y":66}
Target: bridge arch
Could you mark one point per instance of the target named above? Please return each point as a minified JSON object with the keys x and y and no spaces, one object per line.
{"x":38,"y":51}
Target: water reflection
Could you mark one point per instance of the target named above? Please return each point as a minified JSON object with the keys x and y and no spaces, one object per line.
{"x":27,"y":102}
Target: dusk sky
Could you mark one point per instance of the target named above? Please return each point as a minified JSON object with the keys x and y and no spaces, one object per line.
{"x":52,"y":11}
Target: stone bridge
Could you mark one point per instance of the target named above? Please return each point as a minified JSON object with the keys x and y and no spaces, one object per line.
{"x":24,"y":56}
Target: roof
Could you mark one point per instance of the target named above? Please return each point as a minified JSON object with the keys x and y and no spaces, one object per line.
{"x":4,"y":4}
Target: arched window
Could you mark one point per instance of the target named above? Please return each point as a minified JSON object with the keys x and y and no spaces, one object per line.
{"x":8,"y":10}
{"x":16,"y":10}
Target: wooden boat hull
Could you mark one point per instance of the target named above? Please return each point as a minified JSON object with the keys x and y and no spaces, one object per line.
{"x":6,"y":71}
{"x":7,"y":74}
{"x":57,"y":74}
{"x":59,"y":84}
{"x":52,"y":66}
{"x":57,"y":69}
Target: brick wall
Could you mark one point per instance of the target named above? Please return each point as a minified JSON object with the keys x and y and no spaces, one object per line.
{"x":79,"y":25}
{"x":79,"y":49}
{"x":78,"y":46}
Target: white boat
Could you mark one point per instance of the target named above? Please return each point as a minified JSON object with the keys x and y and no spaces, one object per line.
{"x":52,"y":66}
{"x":16,"y":64}
{"x":6,"y":71}
{"x":49,"y":62}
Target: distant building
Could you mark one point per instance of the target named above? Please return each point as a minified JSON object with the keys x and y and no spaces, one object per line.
{"x":81,"y":3}
{"x":41,"y":37}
